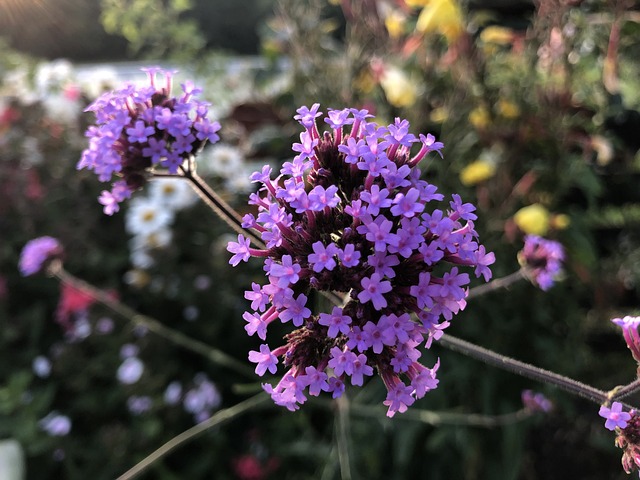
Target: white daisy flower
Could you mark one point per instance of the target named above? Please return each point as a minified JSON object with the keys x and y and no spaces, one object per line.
{"x":174,"y":193}
{"x":220,"y":159}
{"x":147,"y":215}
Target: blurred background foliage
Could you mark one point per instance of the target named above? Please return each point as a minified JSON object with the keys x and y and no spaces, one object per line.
{"x":538,"y":106}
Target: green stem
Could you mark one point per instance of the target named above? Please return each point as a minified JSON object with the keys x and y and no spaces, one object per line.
{"x":217,"y":419}
{"x":174,"y":336}
{"x":447,"y":418}
{"x":342,"y":436}
{"x":523,"y":369}
{"x":496,"y":284}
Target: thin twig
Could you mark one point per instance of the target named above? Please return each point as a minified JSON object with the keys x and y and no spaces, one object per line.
{"x":215,"y":420}
{"x":447,"y":418}
{"x":524,"y":369}
{"x":496,"y":284}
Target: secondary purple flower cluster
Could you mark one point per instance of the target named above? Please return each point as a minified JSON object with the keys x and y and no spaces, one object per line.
{"x":138,"y":128}
{"x":542,"y":260}
{"x":629,"y":327}
{"x":349,"y":214}
{"x":36,"y":253}
{"x":628,"y":439}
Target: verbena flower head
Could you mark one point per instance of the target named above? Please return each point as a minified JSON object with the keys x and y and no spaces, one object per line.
{"x":350,"y":214}
{"x":629,"y":327}
{"x":36,"y":253}
{"x":138,"y":128}
{"x":542,"y":260}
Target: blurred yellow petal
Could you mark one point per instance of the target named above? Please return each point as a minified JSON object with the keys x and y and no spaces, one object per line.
{"x":417,"y":3}
{"x":477,"y":172}
{"x":398,"y":87}
{"x":439,"y":115}
{"x":533,"y":219}
{"x":441,"y":16}
{"x":395,"y":23}
{"x":498,"y":35}
{"x":507,"y":109}
{"x":560,"y":221}
{"x":364,"y":82}
{"x":479,"y":118}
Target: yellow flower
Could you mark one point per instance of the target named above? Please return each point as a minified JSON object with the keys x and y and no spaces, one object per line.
{"x":443,"y":17}
{"x":497,"y":35}
{"x":417,"y":3}
{"x":395,"y":24}
{"x":364,"y":82}
{"x":439,"y":115}
{"x":533,"y":219}
{"x":477,"y":172}
{"x":479,"y":117}
{"x":399,"y":89}
{"x":560,"y":221}
{"x":507,"y":109}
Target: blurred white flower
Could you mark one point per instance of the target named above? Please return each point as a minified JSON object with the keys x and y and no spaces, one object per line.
{"x":138,"y":404}
{"x":12,"y":464}
{"x":221,"y":159}
{"x":99,"y":80}
{"x":173,"y":393}
{"x":41,"y":366}
{"x":55,"y":424}
{"x":130,"y":371}
{"x":53,"y":76}
{"x":62,"y":109}
{"x":174,"y":193}
{"x":146,"y":215}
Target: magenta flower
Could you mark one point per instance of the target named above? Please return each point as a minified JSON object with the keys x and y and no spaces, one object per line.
{"x":36,"y":253}
{"x":140,"y":128}
{"x":616,"y":418}
{"x":350,"y":214}
{"x":265,"y":360}
{"x":629,"y":327}
{"x":541,"y":258}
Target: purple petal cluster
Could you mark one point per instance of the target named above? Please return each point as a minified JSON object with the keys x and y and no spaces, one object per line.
{"x":616,"y":418}
{"x":36,"y":253}
{"x":536,"y":401}
{"x":350,"y":214}
{"x":542,"y":260}
{"x":629,"y":327}
{"x":138,"y":128}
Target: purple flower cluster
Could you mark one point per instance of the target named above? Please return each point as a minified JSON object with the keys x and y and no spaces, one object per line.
{"x":536,"y":401}
{"x":138,"y":128}
{"x":36,"y":253}
{"x":629,"y":327}
{"x":542,"y":260}
{"x":349,"y":214}
{"x":628,"y":439}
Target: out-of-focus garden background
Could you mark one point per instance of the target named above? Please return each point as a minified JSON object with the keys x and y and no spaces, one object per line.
{"x":538,"y":105}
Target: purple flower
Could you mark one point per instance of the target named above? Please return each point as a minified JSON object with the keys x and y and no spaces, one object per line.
{"x":139,"y":128}
{"x":629,"y":327}
{"x":265,"y":360}
{"x":536,"y":402}
{"x":616,"y":418}
{"x":372,"y":291}
{"x":349,"y":215}
{"x":542,"y":260}
{"x":337,"y":322}
{"x":322,"y":257}
{"x":36,"y":253}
